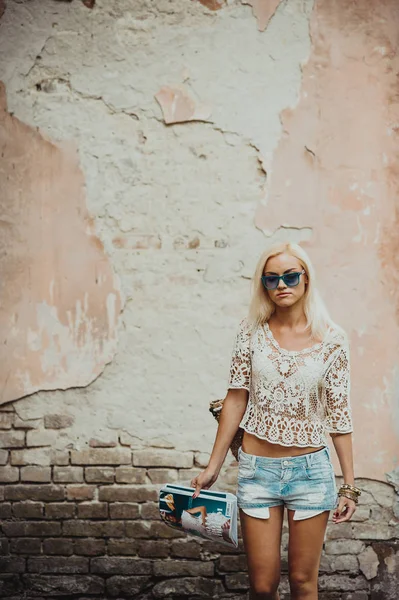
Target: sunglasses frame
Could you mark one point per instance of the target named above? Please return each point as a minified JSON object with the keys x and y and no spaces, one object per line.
{"x":278,"y":277}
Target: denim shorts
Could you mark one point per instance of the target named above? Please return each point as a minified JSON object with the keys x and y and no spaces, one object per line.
{"x":305,"y":482}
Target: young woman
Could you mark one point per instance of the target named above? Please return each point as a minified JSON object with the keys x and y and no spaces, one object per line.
{"x":288,"y":388}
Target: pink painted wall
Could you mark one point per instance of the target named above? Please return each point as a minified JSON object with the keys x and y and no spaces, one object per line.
{"x":336,"y":171}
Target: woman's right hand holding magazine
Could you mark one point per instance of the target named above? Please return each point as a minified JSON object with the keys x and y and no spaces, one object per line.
{"x":234,"y":406}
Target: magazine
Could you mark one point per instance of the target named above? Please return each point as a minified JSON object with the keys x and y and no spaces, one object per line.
{"x":212,"y":515}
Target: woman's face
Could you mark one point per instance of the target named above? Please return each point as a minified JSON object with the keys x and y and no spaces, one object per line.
{"x":284,"y":296}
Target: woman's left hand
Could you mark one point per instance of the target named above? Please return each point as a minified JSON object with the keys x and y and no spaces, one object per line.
{"x":345,"y":510}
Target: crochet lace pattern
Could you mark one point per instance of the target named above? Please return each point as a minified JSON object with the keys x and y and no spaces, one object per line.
{"x":295,"y":396}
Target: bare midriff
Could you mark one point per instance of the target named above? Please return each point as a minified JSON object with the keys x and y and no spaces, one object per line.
{"x":251,"y":444}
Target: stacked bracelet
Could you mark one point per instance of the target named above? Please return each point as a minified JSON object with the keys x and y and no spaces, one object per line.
{"x":349,"y":491}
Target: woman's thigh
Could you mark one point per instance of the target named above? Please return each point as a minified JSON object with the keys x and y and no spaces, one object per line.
{"x":305,"y":545}
{"x":262,"y":542}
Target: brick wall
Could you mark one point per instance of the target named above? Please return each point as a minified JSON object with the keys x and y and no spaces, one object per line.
{"x":85,"y":524}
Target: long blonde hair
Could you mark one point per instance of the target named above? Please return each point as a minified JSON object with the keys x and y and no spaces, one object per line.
{"x":261,"y":307}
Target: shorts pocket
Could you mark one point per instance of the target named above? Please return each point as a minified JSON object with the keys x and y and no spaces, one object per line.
{"x":246,"y":469}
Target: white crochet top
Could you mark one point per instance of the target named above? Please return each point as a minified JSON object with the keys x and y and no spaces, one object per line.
{"x":295,"y":397}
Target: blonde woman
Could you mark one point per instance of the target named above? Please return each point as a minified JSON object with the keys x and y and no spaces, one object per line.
{"x":288,"y":388}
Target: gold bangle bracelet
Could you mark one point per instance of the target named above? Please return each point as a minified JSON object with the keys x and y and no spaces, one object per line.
{"x":352,"y":488}
{"x":350,"y":497}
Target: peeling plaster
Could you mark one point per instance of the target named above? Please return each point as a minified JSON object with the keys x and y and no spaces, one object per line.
{"x":178,"y":106}
{"x":263,"y":10}
{"x":213,"y":4}
{"x":60,"y":299}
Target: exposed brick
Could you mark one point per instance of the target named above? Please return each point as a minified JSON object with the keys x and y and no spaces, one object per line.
{"x":45,"y":492}
{"x":150,"y":510}
{"x":36,"y":474}
{"x":4,"y":548}
{"x":130,"y":475}
{"x":60,"y":510}
{"x":31,"y":528}
{"x":79,"y":528}
{"x":121,"y":565}
{"x":12,"y":564}
{"x":161,"y":476}
{"x":126,"y":439}
{"x":154,"y":549}
{"x":124,"y":510}
{"x":237,"y":581}
{"x":182,"y":568}
{"x":41,"y":437}
{"x":100,"y":474}
{"x":59,"y":457}
{"x":63,"y":584}
{"x":232,"y":564}
{"x":138,"y":529}
{"x":127,"y":586}
{"x":89,"y":547}
{"x":344,"y":547}
{"x":31,"y":456}
{"x":80,"y":492}
{"x":58,"y":564}
{"x":6,"y":420}
{"x":201,"y":459}
{"x":58,"y":421}
{"x":110,"y":441}
{"x":185,"y":549}
{"x":122,"y":547}
{"x":5,"y":510}
{"x":26,"y":423}
{"x":68,"y":474}
{"x":371,"y":531}
{"x":195,"y":587}
{"x":3,"y":457}
{"x":9,"y":474}
{"x":115,"y":528}
{"x":128,"y":493}
{"x":62,"y":546}
{"x":93,"y":510}
{"x":345,"y":562}
{"x":1,"y":493}
{"x":160,"y":457}
{"x":25,"y":545}
{"x":344,"y":583}
{"x":101,"y":456}
{"x":27,"y":510}
{"x":339,"y":531}
{"x":186,"y":475}
{"x":160,"y":530}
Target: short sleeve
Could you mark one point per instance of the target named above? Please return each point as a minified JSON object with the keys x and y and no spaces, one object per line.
{"x":337,"y":394}
{"x":240,"y":366}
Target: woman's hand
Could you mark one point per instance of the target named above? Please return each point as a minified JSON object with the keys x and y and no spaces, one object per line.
{"x":203,"y":481}
{"x":346,"y":508}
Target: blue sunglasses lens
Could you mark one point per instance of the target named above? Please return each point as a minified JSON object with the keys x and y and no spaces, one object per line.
{"x":270,"y":282}
{"x":291,"y":279}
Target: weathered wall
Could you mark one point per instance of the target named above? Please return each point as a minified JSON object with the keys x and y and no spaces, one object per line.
{"x":176,"y":139}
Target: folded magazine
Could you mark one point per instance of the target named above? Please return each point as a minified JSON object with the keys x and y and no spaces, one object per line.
{"x":212,"y":515}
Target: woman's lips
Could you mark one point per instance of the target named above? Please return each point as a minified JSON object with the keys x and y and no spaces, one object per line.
{"x":283,"y":294}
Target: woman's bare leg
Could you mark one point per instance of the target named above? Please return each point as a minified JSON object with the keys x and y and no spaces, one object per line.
{"x":305,"y":545}
{"x":262,"y":542}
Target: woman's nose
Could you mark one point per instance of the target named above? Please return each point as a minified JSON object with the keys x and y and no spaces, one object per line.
{"x":281,"y":285}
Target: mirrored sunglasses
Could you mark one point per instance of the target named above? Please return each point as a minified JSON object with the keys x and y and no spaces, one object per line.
{"x":271,"y":282}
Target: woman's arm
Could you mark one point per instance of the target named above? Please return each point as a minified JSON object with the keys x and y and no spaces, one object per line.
{"x":233,"y":409}
{"x":343,"y":447}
